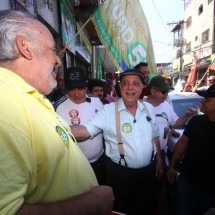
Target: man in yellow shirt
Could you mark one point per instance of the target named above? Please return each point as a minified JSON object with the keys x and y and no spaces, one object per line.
{"x":42,"y":170}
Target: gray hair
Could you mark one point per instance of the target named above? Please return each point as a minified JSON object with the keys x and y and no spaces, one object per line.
{"x":13,"y":23}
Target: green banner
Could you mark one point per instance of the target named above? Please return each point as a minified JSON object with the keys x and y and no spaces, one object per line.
{"x":98,"y":65}
{"x":68,"y":27}
{"x":122,"y":27}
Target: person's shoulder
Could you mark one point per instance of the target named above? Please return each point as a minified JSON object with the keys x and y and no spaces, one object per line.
{"x":94,"y":101}
{"x":199,"y":119}
{"x":90,"y":95}
{"x":60,"y":102}
{"x":148,"y":105}
{"x":93,"y":98}
{"x":110,"y":98}
{"x":203,"y":88}
{"x":166,"y":104}
{"x":109,"y":106}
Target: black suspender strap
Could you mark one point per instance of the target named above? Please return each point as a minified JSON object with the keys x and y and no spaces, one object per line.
{"x":118,"y":135}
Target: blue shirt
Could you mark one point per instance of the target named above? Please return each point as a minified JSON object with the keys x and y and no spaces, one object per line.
{"x":136,"y":132}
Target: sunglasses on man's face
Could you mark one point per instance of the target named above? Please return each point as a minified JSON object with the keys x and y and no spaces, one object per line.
{"x":161,"y":91}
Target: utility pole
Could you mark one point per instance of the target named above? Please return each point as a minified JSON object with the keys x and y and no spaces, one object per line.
{"x":179,"y":43}
{"x":181,"y":48}
{"x":213,"y":49}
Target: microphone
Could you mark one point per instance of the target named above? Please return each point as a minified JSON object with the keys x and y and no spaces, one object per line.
{"x":134,"y":121}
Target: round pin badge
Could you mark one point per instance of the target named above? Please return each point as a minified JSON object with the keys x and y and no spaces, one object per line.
{"x":164,"y":115}
{"x":73,"y":113}
{"x":75,"y":121}
{"x":126,"y":128}
{"x":62,"y":134}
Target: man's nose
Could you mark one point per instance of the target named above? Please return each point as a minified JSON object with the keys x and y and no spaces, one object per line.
{"x":58,"y":61}
{"x":130,"y":85}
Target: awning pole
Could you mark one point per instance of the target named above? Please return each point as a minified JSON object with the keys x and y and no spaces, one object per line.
{"x":81,"y":28}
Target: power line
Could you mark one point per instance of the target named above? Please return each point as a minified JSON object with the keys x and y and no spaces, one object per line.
{"x":160,"y":17}
{"x":168,"y":43}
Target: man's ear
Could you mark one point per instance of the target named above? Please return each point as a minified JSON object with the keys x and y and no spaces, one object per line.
{"x":152,"y":91}
{"x":23,"y":47}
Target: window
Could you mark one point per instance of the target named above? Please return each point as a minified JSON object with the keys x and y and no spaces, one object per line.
{"x":205,"y":36}
{"x":189,"y":22}
{"x":209,"y":1}
{"x":188,"y":47}
{"x":200,"y":9}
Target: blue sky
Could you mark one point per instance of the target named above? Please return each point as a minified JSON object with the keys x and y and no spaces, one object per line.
{"x":158,"y":14}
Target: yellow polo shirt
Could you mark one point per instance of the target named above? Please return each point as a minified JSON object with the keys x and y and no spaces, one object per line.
{"x":39,"y":162}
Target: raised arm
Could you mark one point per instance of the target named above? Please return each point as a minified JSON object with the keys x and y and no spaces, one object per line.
{"x":98,"y":201}
{"x":182,"y":120}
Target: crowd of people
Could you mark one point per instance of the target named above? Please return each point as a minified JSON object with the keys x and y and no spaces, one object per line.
{"x":199,"y":85}
{"x":68,"y":146}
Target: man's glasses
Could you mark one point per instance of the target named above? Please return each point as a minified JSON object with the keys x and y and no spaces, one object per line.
{"x":145,"y":71}
{"x":161,"y":91}
{"x":133,"y":84}
{"x":61,"y":52}
{"x":207,"y":99}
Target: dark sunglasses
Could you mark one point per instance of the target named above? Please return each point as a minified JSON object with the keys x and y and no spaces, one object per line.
{"x":163,"y":91}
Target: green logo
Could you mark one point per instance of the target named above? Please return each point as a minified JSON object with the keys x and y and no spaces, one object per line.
{"x":62,"y":134}
{"x":126,"y":128}
{"x":164,"y":115}
{"x":136,"y":53}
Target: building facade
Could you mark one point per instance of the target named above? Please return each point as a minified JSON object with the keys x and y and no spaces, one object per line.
{"x":194,"y":38}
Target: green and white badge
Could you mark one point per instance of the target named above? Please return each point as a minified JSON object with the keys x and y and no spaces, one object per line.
{"x":126,"y":128}
{"x":62,"y":134}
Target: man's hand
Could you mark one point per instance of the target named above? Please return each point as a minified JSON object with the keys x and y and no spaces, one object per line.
{"x":106,"y":198}
{"x":171,"y":175}
{"x":174,"y":133}
{"x":190,"y":112}
{"x":80,"y":132}
{"x":159,"y":163}
{"x":183,"y":119}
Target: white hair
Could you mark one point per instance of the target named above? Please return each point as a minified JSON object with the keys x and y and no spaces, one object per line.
{"x":13,"y":23}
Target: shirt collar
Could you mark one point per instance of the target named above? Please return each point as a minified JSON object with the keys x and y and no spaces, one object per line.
{"x":23,"y":87}
{"x":16,"y":81}
{"x":122,"y":107}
